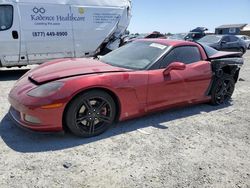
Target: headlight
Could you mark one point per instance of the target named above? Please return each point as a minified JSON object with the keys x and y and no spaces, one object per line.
{"x":46,"y":89}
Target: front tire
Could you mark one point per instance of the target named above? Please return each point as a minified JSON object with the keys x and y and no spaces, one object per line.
{"x":222,"y":89}
{"x":90,"y":113}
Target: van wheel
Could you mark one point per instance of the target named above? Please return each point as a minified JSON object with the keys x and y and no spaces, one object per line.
{"x":90,"y":113}
{"x":222,"y":89}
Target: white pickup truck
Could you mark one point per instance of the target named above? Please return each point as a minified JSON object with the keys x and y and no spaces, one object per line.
{"x":34,"y":31}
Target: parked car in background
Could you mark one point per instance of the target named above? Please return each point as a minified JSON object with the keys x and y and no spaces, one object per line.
{"x":196,"y":34}
{"x":193,"y":35}
{"x":155,"y":34}
{"x":178,"y":36}
{"x":144,"y":76}
{"x":246,"y":39}
{"x":224,"y":42}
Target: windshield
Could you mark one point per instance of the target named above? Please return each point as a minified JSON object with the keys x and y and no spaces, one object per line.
{"x":136,"y":55}
{"x":6,"y":17}
{"x":210,"y":39}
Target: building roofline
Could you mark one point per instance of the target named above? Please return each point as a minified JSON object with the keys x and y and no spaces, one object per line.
{"x":231,"y":26}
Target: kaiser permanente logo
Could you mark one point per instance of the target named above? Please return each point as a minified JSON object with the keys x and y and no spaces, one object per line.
{"x":39,"y":15}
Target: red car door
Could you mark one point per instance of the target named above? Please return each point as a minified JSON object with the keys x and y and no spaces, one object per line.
{"x":197,"y":78}
{"x":179,"y":86}
{"x":164,"y":90}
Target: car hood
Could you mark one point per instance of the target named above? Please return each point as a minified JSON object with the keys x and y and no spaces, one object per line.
{"x":65,"y":68}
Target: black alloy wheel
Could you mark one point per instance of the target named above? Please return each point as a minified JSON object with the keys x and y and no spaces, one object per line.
{"x":222,"y":89}
{"x":91,"y":113}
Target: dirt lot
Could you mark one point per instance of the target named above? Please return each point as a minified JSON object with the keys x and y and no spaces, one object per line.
{"x":199,"y":146}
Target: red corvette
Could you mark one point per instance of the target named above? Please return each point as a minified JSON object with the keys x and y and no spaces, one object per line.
{"x":88,"y":95}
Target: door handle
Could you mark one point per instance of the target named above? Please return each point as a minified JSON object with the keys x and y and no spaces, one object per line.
{"x":15,"y":34}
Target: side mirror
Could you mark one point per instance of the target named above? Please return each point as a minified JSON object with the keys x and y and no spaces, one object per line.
{"x":174,"y":66}
{"x":223,"y":42}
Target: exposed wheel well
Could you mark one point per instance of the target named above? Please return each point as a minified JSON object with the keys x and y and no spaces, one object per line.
{"x":233,"y":71}
{"x":227,"y":70}
{"x":112,"y":94}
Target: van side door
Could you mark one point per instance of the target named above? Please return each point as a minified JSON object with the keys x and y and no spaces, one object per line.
{"x":9,"y":35}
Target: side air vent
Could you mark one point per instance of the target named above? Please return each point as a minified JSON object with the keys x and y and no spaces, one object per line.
{"x":33,"y":81}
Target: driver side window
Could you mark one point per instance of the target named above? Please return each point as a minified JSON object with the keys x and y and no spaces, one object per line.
{"x":184,"y":54}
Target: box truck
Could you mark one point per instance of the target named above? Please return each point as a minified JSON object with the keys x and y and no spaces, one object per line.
{"x":34,"y":31}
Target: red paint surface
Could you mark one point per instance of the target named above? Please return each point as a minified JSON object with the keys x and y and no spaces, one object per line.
{"x":138,"y":92}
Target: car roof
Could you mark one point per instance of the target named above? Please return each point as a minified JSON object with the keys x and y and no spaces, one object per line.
{"x":170,"y":42}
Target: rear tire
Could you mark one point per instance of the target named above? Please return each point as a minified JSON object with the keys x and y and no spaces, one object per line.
{"x":90,"y":113}
{"x":222,"y":89}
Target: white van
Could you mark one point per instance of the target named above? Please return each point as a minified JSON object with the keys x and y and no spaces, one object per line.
{"x":33,"y":31}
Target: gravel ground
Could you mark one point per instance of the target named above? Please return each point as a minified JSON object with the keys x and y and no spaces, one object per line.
{"x":198,"y":146}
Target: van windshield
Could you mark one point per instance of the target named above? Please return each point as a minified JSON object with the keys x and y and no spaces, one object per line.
{"x":6,"y":17}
